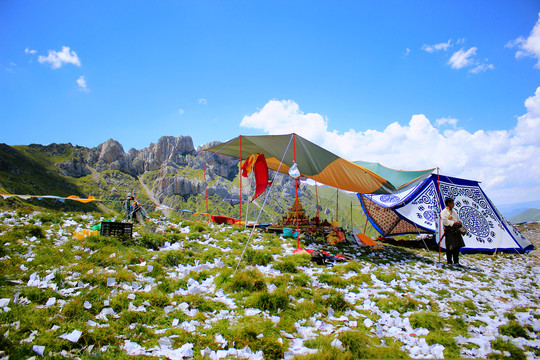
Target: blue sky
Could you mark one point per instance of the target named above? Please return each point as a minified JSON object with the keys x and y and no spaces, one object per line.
{"x":410,"y":84}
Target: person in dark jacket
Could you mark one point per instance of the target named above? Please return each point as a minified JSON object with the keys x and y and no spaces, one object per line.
{"x":454,"y":239}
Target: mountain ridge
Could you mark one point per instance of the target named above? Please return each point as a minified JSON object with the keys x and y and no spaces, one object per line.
{"x":526,"y":216}
{"x":168,"y":173}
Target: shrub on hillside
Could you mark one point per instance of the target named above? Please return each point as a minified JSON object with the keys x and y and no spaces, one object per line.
{"x":248,"y":280}
{"x":258,"y":257}
{"x":427,"y":320}
{"x":271,"y":302}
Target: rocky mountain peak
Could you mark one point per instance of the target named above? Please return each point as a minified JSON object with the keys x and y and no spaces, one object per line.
{"x":110,"y":151}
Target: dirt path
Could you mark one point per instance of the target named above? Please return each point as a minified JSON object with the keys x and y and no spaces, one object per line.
{"x":150,"y":193}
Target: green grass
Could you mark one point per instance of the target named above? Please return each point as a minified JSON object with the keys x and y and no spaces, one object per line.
{"x":289,"y":288}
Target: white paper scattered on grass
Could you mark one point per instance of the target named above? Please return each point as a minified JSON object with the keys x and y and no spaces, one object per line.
{"x":251,"y":312}
{"x":38,"y":349}
{"x":30,"y":338}
{"x":218,"y":338}
{"x":164,"y":350}
{"x":297,"y":348}
{"x":140,"y":308}
{"x":107,"y":311}
{"x":368,"y":323}
{"x":189,"y":326}
{"x":245,"y":353}
{"x":418,"y":280}
{"x":72,"y":336}
{"x":50,"y":302}
{"x":337,"y":344}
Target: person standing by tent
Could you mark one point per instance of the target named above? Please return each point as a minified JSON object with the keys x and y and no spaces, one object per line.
{"x":454,"y":240}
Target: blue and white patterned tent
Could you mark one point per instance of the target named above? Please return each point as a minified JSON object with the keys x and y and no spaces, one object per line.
{"x":416,"y":208}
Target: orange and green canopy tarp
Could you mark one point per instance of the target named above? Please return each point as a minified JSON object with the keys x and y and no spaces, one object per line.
{"x":312,"y":160}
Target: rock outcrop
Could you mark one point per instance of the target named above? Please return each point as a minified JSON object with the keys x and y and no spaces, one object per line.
{"x":169,"y":150}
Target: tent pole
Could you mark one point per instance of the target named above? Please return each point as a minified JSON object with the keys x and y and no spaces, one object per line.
{"x":273,"y":203}
{"x":367,"y":216}
{"x":296,"y":188}
{"x":205,"y":188}
{"x":317,"y":198}
{"x":351,"y":217}
{"x":240,"y":169}
{"x":439,"y":210}
{"x":337,"y":203}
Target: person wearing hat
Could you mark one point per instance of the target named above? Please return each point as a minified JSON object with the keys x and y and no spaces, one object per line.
{"x":454,"y":240}
{"x":127,"y":205}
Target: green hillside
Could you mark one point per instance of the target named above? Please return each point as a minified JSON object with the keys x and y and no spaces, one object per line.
{"x":35,"y":170}
{"x":526,"y":216}
{"x":28,"y":172}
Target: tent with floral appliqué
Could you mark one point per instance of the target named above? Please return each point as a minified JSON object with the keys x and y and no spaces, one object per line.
{"x":415,"y":209}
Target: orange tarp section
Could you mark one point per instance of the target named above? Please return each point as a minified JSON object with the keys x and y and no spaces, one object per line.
{"x":366,"y":240}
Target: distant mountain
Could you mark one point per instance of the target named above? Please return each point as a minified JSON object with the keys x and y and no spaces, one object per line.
{"x":510,"y":210}
{"x":526,"y":216}
{"x":166,"y":174}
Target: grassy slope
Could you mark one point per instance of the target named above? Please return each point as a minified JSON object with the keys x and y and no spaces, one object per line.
{"x":456,"y":306}
{"x":27,"y":172}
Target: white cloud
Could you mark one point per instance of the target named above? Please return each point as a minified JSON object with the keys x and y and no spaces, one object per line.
{"x":11,"y":66}
{"x":507,"y":162}
{"x":461,"y":58}
{"x":202,"y":101}
{"x":529,"y":46}
{"x":57,"y":59}
{"x":447,"y":121}
{"x":181,"y":111}
{"x":407,"y":52}
{"x":81,"y":82}
{"x":481,"y":68}
{"x":283,"y":117}
{"x":28,"y":51}
{"x":437,"y":47}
